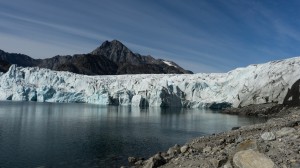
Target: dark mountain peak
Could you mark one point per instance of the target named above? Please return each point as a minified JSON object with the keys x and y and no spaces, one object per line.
{"x":114,"y":45}
{"x":117,"y":52}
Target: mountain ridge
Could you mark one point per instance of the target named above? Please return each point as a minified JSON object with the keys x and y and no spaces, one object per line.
{"x":110,"y":58}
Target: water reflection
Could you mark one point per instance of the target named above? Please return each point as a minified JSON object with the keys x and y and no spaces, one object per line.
{"x":81,"y":135}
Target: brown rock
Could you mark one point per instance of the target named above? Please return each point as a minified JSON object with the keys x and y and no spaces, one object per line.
{"x":184,"y":148}
{"x":284,"y":131}
{"x":206,"y":149}
{"x":268,"y":136}
{"x":174,"y":150}
{"x":247,"y":144}
{"x":252,"y":159}
{"x":155,"y":161}
{"x":132,"y":159}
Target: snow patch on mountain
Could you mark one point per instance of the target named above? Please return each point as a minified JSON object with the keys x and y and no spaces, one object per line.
{"x":169,"y":63}
{"x":255,"y":84}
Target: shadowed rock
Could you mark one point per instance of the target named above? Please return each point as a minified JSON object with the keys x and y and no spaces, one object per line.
{"x":293,"y":95}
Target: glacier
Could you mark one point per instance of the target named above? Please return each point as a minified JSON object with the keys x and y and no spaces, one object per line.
{"x":276,"y":82}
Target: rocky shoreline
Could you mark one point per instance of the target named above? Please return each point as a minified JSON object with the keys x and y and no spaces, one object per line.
{"x":268,"y":145}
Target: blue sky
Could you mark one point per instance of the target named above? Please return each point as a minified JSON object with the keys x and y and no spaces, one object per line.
{"x":200,"y":35}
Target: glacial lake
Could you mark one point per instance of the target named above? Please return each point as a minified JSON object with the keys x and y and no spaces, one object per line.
{"x":48,"y":135}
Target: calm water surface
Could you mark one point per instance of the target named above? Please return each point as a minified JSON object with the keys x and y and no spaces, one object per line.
{"x":80,"y":135}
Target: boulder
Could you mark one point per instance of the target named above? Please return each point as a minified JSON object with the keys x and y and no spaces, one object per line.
{"x":184,"y":148}
{"x":284,"y":131}
{"x":155,"y":161}
{"x":227,"y":165}
{"x":247,"y":144}
{"x":252,"y":159}
{"x":268,"y":136}
{"x":132,"y":160}
{"x":206,"y":149}
{"x":174,"y":150}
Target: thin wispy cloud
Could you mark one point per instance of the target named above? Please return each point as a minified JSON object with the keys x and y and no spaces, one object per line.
{"x":204,"y":36}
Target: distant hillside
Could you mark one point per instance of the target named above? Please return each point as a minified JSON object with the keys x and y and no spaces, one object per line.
{"x":111,"y":58}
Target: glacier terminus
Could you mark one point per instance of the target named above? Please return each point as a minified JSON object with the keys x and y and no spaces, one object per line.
{"x":274,"y":81}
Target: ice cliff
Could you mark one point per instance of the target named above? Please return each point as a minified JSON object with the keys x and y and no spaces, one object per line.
{"x":276,"y":81}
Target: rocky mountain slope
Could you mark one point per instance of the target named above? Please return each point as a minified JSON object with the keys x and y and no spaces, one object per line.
{"x":272,"y":82}
{"x":110,"y":58}
{"x":19,"y":59}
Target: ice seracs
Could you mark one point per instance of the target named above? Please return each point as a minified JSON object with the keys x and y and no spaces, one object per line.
{"x":255,"y":84}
